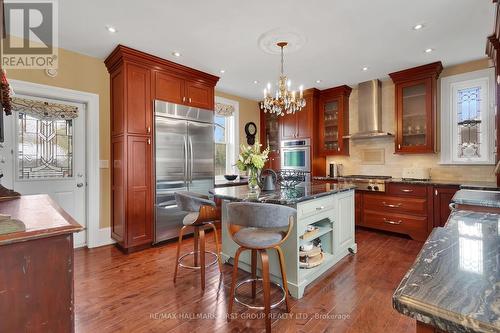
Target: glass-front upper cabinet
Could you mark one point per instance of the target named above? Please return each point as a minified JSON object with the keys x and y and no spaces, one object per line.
{"x":331,"y":125}
{"x":272,"y":132}
{"x":270,"y":137}
{"x":334,"y":121}
{"x":416,"y":108}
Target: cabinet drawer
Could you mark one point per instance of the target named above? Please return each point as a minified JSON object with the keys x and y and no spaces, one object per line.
{"x":391,"y":204}
{"x":315,"y":206}
{"x":408,"y":190}
{"x":415,"y":226}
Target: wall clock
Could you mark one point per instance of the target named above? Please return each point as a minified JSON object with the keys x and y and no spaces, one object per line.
{"x":250,"y":130}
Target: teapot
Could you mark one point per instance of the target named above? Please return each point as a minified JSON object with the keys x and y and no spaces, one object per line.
{"x":268,"y":182}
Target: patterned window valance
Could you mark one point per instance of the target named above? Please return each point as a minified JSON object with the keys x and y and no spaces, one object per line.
{"x":224,"y":110}
{"x":44,"y":110}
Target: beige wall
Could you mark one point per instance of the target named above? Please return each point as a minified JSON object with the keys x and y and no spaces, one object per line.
{"x":249,"y":111}
{"x":395,"y":162}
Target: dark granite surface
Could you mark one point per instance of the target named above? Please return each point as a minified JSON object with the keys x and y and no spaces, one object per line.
{"x":226,"y":183}
{"x":477,"y":198}
{"x":492,"y":186}
{"x":282,"y":196}
{"x":454,"y":283}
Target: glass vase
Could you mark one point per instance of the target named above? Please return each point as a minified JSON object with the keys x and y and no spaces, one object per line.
{"x":253,"y":179}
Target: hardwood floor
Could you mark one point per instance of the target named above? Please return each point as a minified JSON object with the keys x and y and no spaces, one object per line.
{"x":134,"y":293}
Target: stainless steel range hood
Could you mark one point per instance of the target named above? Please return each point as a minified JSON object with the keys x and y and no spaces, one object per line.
{"x":369,"y":111}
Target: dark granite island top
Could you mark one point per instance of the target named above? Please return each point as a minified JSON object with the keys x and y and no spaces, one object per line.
{"x":477,"y":198}
{"x":281,"y":196}
{"x":454,"y":283}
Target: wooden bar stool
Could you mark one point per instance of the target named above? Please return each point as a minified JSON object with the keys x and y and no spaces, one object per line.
{"x":259,"y":227}
{"x":202,"y":213}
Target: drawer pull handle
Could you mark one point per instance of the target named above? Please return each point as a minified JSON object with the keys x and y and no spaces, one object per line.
{"x":406,"y":190}
{"x":391,"y":205}
{"x":320,"y":208}
{"x":392,"y":222}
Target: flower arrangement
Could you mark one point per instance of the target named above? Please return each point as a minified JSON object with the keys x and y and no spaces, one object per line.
{"x":252,"y":160}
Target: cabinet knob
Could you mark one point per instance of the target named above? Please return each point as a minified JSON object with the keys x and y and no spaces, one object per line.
{"x":338,"y":149}
{"x":149,"y":129}
{"x":149,"y":141}
{"x":184,"y":98}
{"x":399,"y":146}
{"x":189,"y":99}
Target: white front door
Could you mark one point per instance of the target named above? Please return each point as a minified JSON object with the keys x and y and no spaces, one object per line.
{"x":48,"y":157}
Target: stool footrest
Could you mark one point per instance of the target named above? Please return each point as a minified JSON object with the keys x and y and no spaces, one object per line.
{"x":253,"y":306}
{"x":197,"y":267}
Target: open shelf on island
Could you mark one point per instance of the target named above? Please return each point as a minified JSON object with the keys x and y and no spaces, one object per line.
{"x":324,"y":226}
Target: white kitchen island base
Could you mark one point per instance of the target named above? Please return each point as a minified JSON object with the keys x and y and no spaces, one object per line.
{"x":332,"y":212}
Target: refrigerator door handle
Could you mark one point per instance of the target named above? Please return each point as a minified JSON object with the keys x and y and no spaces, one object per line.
{"x":191,"y":160}
{"x":185,"y":160}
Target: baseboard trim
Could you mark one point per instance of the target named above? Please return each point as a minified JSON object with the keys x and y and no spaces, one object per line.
{"x":101,"y":237}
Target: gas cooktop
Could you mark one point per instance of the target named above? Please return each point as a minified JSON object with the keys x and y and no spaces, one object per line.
{"x":367,"y":182}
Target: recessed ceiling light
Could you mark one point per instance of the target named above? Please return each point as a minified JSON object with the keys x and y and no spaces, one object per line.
{"x":418,"y":27}
{"x":111,"y":29}
{"x":365,"y":69}
{"x":222,"y":71}
{"x":318,"y":81}
{"x":176,"y":54}
{"x":255,"y":81}
{"x":429,"y":50}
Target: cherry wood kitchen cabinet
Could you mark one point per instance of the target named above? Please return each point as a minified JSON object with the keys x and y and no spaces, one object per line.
{"x":358,"y":207}
{"x":403,"y":208}
{"x":137,"y":79}
{"x":270,"y":137}
{"x":170,"y":88}
{"x":300,"y":124}
{"x":416,"y":108}
{"x":442,"y":196}
{"x":175,"y":89}
{"x":493,"y":51}
{"x":333,"y":121}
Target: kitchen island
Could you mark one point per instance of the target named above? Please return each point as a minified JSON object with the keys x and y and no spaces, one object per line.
{"x":328,"y":207}
{"x":453,"y":284}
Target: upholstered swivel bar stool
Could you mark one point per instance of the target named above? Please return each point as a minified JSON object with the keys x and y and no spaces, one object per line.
{"x":201,"y":213}
{"x":259,"y":227}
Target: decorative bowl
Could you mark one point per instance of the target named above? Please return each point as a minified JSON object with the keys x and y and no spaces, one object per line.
{"x":230,"y":177}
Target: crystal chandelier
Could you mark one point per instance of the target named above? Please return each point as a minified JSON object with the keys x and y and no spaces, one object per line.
{"x":284,"y":101}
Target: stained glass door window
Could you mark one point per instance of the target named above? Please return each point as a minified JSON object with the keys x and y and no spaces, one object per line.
{"x":469,"y":122}
{"x":45,"y":148}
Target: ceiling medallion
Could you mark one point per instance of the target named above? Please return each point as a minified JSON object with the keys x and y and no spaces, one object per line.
{"x":285,"y":101}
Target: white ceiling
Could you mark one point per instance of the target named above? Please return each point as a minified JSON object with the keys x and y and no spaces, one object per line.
{"x":342,"y":36}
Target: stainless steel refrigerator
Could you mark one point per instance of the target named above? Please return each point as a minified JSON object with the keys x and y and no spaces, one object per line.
{"x":184,"y":155}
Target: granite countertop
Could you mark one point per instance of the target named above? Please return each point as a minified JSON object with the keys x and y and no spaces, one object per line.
{"x":477,"y":198}
{"x":454,"y":283}
{"x":41,"y":216}
{"x":492,"y":186}
{"x":281,"y":196}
